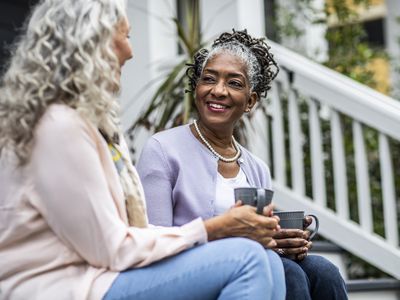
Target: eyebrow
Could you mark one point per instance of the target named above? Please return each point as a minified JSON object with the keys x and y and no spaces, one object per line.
{"x":231,"y":74}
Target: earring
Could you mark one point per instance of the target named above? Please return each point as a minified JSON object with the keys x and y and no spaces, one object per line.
{"x":247,"y":110}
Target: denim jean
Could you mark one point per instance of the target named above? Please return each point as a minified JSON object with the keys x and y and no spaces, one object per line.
{"x":234,"y":268}
{"x":313,"y":278}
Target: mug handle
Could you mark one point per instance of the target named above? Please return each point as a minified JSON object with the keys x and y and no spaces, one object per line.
{"x":315,"y":231}
{"x":261,"y":199}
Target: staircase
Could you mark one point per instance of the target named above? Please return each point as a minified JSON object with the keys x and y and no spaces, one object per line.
{"x":358,"y":289}
{"x":312,"y":118}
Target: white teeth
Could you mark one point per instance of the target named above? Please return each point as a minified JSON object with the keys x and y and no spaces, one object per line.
{"x":218,"y":106}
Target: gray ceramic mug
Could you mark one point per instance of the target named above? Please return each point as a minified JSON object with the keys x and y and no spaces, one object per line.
{"x":295,"y":220}
{"x":257,"y":197}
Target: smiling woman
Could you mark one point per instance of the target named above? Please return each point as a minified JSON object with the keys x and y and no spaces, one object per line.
{"x":191,"y":171}
{"x":223,"y":92}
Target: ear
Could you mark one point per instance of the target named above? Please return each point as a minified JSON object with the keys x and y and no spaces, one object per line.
{"x":252,"y":101}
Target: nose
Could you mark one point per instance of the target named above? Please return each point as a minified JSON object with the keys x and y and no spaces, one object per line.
{"x":219,"y":89}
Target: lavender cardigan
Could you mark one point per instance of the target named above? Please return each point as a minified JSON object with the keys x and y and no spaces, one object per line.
{"x":179,"y":176}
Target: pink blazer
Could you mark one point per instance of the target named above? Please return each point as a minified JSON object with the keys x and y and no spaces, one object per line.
{"x":63,"y":223}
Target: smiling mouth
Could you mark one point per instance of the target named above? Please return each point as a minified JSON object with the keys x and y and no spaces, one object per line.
{"x":217,"y":107}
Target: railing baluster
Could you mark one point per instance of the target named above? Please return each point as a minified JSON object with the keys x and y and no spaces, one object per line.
{"x":278,"y":144}
{"x":317,"y":162}
{"x":339,"y":167}
{"x":388,"y":192}
{"x":296,"y":149}
{"x":257,"y":134}
{"x":268,"y":141}
{"x":362,"y":177}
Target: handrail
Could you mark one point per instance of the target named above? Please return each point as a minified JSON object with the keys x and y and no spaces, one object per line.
{"x":303,"y":82}
{"x":340,"y":92}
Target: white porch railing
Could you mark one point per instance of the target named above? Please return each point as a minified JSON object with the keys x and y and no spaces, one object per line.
{"x":318,"y":116}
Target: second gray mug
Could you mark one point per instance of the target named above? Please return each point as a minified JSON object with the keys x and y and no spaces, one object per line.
{"x":295,"y":219}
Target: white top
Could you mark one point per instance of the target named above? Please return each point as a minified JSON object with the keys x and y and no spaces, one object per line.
{"x":225,"y":197}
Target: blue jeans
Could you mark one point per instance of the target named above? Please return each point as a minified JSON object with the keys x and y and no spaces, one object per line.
{"x":234,"y":268}
{"x":313,"y":278}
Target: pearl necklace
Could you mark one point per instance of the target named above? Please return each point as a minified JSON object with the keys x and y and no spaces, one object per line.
{"x":220,"y":157}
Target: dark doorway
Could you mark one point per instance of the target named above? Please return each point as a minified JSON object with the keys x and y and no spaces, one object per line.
{"x":12,"y":16}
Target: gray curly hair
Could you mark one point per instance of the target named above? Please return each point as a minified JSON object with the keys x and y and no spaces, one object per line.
{"x":64,"y":56}
{"x":254,"y":52}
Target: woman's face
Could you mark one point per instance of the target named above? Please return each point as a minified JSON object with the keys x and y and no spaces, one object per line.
{"x":223,"y":92}
{"x":122,"y":46}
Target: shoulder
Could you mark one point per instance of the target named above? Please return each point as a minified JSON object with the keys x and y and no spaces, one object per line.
{"x":169,"y":140}
{"x":172,"y":135}
{"x":62,"y":124}
{"x":61,"y":117}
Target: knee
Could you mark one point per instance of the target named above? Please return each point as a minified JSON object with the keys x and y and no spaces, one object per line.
{"x":276,"y":263}
{"x":273,"y":256}
{"x":293,"y":272}
{"x":242,"y":247}
{"x":251,"y":249}
{"x":327,"y":271}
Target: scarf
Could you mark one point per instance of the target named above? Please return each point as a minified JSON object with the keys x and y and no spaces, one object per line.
{"x":134,"y":196}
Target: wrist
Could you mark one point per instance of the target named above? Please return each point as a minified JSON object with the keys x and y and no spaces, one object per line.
{"x":215,"y":228}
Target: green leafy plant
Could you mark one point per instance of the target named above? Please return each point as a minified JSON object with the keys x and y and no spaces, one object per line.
{"x":170,"y":106}
{"x":349,"y":53}
{"x":396,"y":63}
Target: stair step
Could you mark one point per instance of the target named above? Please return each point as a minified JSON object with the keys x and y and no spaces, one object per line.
{"x":325,"y":246}
{"x":371,"y":289}
{"x":357,"y":285}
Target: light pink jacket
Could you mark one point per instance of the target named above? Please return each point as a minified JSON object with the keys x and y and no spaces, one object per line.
{"x":63,"y":222}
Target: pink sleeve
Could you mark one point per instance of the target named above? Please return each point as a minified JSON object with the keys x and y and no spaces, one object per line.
{"x":74,"y":197}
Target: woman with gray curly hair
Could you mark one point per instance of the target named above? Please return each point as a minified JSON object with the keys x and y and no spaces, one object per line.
{"x":73,"y":222}
{"x":191,"y":171}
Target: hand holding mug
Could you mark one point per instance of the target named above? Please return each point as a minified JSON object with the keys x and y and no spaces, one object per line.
{"x":292,"y":241}
{"x":243,"y":221}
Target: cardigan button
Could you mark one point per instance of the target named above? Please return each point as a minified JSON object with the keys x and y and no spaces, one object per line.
{"x":241,"y":160}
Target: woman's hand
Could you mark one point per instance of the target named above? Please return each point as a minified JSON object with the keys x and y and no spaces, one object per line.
{"x":243,"y":221}
{"x":294,"y":243}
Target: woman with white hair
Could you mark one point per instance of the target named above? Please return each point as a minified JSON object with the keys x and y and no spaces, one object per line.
{"x":73,"y":222}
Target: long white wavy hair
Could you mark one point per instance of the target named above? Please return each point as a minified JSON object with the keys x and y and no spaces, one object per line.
{"x":65,"y":55}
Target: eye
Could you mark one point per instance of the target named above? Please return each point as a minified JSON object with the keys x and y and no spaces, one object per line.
{"x":236,"y":84}
{"x":207,"y":79}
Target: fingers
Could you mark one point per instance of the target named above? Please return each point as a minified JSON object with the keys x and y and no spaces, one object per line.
{"x":309,"y":245}
{"x":268,"y":210}
{"x":307,"y":221}
{"x":306,"y":234}
{"x":289,"y":233}
{"x":238,"y":203}
{"x":300,"y":257}
{"x":291,"y":243}
{"x":247,"y":223}
{"x":270,"y":244}
{"x":303,"y":255}
{"x":269,"y":223}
